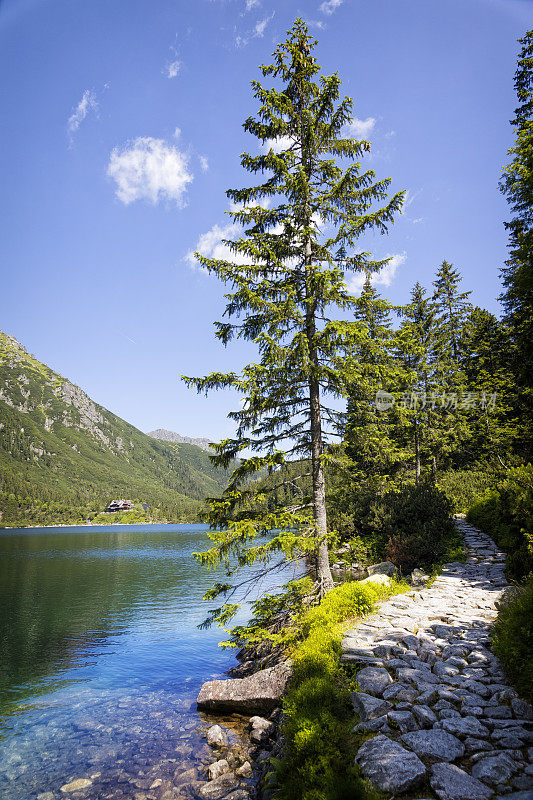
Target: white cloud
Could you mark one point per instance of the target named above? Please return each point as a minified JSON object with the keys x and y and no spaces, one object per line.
{"x":149,"y":169}
{"x":260,"y":26}
{"x":252,"y":4}
{"x":384,"y":277}
{"x":210,"y":244}
{"x":329,"y":6}
{"x":277,"y":145}
{"x":360,"y":128}
{"x":87,"y":103}
{"x":204,"y":163}
{"x":172,"y":69}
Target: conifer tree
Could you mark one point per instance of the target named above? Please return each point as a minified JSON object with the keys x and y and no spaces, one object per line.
{"x":452,"y":308}
{"x":416,"y":342}
{"x":302,"y":223}
{"x":372,"y":415}
{"x":517,"y":185}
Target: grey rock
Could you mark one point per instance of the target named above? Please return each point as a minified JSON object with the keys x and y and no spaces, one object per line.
{"x":239,"y":794}
{"x":425,"y":717}
{"x":416,"y":676}
{"x":521,"y":709}
{"x":434,"y":745}
{"x":373,"y":680}
{"x":245,"y":770}
{"x":390,"y":767}
{"x":383,"y":568}
{"x":400,"y":692}
{"x":404,"y":721}
{"x":465,"y":726}
{"x":497,"y":712}
{"x":526,"y":795}
{"x":259,"y":693}
{"x":451,"y":783}
{"x":369,"y":707}
{"x":494,"y":769}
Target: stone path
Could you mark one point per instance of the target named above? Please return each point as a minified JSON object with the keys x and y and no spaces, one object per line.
{"x":434,"y":695}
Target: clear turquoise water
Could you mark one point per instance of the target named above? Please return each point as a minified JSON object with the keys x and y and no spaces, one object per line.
{"x":100,"y":657}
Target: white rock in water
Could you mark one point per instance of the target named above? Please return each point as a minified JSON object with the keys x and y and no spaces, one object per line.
{"x":74,"y":786}
{"x":216,"y":736}
{"x":217,"y":769}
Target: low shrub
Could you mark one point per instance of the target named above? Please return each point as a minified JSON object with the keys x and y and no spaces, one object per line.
{"x":414,"y":526}
{"x":506,"y":514}
{"x":512,"y":639}
{"x":465,"y":487}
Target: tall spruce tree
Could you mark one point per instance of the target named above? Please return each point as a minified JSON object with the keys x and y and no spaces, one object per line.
{"x":517,"y":185}
{"x":416,"y":342}
{"x":372,"y":415}
{"x":302,"y":224}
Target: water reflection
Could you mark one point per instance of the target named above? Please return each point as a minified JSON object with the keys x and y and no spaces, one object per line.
{"x":101,"y":659}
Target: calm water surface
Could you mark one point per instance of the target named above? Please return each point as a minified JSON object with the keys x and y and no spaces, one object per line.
{"x":101,"y":659}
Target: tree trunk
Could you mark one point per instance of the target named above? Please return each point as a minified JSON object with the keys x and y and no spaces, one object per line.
{"x":434,"y":470}
{"x":417,"y":454}
{"x":317,"y":468}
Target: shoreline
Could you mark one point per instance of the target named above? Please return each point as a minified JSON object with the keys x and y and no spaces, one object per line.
{"x":91,"y":525}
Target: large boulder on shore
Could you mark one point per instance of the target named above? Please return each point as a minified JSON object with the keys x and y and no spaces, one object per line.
{"x":259,"y":693}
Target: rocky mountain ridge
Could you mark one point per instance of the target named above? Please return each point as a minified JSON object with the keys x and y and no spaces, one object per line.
{"x":165,"y":435}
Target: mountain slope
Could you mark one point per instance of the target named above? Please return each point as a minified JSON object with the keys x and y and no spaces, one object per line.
{"x":62,"y":456}
{"x":171,"y":436}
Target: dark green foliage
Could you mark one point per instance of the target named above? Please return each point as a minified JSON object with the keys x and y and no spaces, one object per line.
{"x":512,"y":639}
{"x":517,"y":185}
{"x":415,"y":526}
{"x":506,"y":514}
{"x":286,"y":284}
{"x":463,"y":488}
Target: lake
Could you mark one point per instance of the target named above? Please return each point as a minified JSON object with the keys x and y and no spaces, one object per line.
{"x":101,"y":658}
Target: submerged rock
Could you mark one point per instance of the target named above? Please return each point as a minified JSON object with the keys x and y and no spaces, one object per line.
{"x":75,"y":786}
{"x":216,"y":736}
{"x":259,"y":693}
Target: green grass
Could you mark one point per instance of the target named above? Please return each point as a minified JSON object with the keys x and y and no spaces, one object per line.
{"x":319,"y":751}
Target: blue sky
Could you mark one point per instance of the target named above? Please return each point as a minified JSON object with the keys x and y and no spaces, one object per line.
{"x":121,"y":130}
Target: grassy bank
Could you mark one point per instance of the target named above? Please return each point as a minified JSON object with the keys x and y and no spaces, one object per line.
{"x":318,"y":759}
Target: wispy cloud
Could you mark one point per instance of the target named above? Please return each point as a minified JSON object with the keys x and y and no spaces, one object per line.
{"x":260,"y":26}
{"x":384,"y":277}
{"x":172,"y":69}
{"x":360,"y":128}
{"x":330,"y":6}
{"x":87,"y":104}
{"x":252,"y":4}
{"x":204,"y":163}
{"x":149,"y":169}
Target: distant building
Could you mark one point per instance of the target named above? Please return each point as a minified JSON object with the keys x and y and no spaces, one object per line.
{"x":119,"y":505}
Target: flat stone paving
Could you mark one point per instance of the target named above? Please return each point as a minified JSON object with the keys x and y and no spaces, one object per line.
{"x":431,"y":689}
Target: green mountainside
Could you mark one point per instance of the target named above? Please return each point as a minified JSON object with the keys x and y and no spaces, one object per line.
{"x":63,"y":458}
